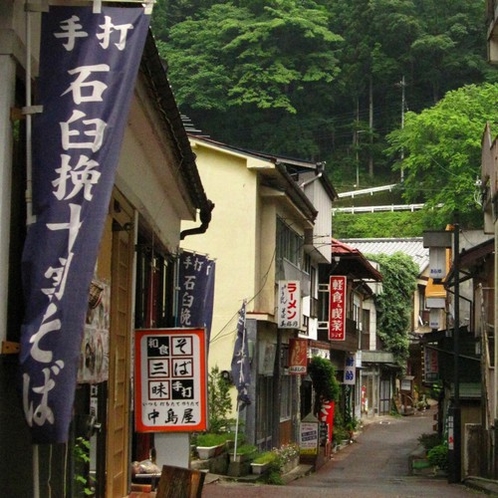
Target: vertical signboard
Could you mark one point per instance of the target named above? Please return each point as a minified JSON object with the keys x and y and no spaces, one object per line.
{"x":298,"y":356}
{"x":171,"y":393}
{"x":289,"y":304}
{"x":337,"y":308}
{"x":308,"y":438}
{"x":431,"y":365}
{"x":327,"y":412}
{"x":350,"y":370}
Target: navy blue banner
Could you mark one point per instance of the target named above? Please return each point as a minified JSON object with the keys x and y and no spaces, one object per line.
{"x":88,"y":68}
{"x":241,"y":368}
{"x":196,"y":282}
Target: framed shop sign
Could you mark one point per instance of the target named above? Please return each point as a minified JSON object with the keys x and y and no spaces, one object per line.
{"x":171,"y":380}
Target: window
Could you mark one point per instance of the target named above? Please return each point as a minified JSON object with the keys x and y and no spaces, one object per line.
{"x":153,"y":308}
{"x":289,"y":244}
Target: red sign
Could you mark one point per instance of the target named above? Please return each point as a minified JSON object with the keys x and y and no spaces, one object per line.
{"x":327,"y":415}
{"x":337,"y":308}
{"x":298,"y":356}
{"x":171,"y":393}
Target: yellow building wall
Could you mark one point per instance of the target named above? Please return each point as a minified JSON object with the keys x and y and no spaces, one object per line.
{"x":230,"y":240}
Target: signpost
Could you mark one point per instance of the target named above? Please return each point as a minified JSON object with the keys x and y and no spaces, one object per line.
{"x":171,"y":387}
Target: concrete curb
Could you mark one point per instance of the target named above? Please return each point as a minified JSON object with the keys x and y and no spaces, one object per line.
{"x":488,"y":486}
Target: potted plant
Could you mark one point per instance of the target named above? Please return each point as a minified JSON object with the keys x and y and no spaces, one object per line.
{"x":209,"y":445}
{"x":244,"y":452}
{"x":288,"y":457}
{"x":262,"y":462}
{"x":351,"y":427}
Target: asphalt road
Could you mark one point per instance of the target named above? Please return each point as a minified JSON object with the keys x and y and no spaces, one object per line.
{"x":374,"y":466}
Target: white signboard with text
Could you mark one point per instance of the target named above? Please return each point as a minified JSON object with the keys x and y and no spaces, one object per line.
{"x":171,"y":387}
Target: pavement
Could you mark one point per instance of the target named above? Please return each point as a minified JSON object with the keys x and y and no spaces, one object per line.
{"x":481,"y":485}
{"x":487,"y":486}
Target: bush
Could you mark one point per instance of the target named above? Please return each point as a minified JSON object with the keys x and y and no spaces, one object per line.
{"x":219,"y":401}
{"x":266,"y":457}
{"x":211,"y":439}
{"x":429,"y":440}
{"x":246,"y":449}
{"x":277,"y":458}
{"x":438,"y":456}
{"x":339,"y":434}
{"x":326,"y":386}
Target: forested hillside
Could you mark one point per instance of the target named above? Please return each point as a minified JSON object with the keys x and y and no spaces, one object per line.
{"x":326,"y":80}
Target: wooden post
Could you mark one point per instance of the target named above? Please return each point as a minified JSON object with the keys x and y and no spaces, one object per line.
{"x":177,"y":481}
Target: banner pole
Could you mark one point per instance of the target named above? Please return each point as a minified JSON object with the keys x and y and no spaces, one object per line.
{"x":29,"y":160}
{"x":241,"y":376}
{"x":236,"y":432}
{"x":36,"y":473}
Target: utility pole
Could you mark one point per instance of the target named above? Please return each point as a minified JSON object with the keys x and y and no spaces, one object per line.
{"x":402,"y":84}
{"x":370,"y":130}
{"x":454,"y":413}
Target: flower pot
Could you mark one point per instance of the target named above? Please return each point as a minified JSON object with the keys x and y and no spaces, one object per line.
{"x":206,"y":452}
{"x":291,"y":464}
{"x":259,"y":468}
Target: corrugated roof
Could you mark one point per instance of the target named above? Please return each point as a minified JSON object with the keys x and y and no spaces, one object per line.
{"x":413,"y":247}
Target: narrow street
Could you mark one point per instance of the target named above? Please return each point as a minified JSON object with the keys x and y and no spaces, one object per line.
{"x":376,"y":465}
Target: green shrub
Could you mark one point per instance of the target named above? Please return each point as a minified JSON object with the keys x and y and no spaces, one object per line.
{"x":211,"y":439}
{"x":274,"y":477}
{"x":219,"y":401}
{"x":438,"y":456}
{"x":429,"y":440}
{"x":325,"y":384}
{"x":265,"y":457}
{"x":246,"y":449}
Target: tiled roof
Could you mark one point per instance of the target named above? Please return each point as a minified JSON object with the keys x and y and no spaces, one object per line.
{"x":413,"y":247}
{"x":353,"y":262}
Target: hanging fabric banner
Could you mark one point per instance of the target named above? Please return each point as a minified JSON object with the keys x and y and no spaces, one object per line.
{"x":241,"y":369}
{"x":196,"y":282}
{"x":88,"y":67}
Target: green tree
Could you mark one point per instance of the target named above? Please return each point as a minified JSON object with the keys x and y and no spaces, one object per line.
{"x":376,"y":225}
{"x":325,"y":384}
{"x":318,"y":79}
{"x":394,"y":304}
{"x":231,"y":57}
{"x":442,"y":153}
{"x":219,"y":401}
{"x":237,"y":70}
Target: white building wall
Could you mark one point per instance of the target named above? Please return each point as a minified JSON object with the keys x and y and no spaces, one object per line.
{"x":322,"y":231}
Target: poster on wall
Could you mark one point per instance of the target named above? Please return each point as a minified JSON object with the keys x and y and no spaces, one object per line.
{"x":94,"y":356}
{"x":171,"y":380}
